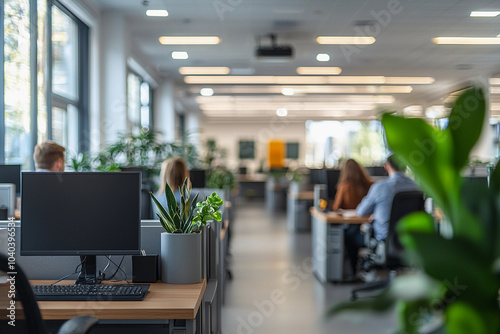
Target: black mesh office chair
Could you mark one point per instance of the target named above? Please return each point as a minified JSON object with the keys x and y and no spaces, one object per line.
{"x":32,"y":316}
{"x":403,"y":203}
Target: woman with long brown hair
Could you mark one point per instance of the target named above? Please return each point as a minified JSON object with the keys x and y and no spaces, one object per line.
{"x":353,"y":185}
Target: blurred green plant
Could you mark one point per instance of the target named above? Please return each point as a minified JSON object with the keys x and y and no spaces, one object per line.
{"x":220,"y":177}
{"x":188,"y":216}
{"x":462,"y":274}
{"x":81,"y":162}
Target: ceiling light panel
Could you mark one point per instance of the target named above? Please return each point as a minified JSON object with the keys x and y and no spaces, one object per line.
{"x":323,"y":57}
{"x":484,"y":13}
{"x":157,"y":12}
{"x":319,"y":70}
{"x":466,"y":40}
{"x":307,"y":80}
{"x":180,"y":55}
{"x":204,"y":70}
{"x":346,"y":40}
{"x":310,"y":89}
{"x":189,"y":40}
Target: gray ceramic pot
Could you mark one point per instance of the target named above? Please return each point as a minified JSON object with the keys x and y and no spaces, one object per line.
{"x":181,"y":258}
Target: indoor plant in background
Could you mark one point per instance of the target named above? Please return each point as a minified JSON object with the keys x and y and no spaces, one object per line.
{"x":181,"y":253}
{"x":459,"y":277}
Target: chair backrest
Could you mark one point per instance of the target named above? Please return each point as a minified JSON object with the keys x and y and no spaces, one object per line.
{"x":404,"y":203}
{"x":26,"y":296}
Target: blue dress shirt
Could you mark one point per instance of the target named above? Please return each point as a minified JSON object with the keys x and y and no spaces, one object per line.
{"x":378,"y":201}
{"x":163,"y":201}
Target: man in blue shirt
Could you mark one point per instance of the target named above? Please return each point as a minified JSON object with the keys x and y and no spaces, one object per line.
{"x":378,"y":203}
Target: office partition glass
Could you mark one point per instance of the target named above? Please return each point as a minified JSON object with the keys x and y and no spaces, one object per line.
{"x":17,"y":97}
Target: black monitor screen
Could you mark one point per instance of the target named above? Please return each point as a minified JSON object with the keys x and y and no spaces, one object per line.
{"x":316,"y":176}
{"x":11,"y":174}
{"x":80,"y":213}
{"x":331,"y":180}
{"x":197,"y":178}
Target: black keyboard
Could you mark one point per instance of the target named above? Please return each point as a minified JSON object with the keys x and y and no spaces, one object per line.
{"x":99,"y":292}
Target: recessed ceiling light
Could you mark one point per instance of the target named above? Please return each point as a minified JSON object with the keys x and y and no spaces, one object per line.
{"x":281,"y":112}
{"x":323,"y":57}
{"x":157,"y":12}
{"x":204,"y":70}
{"x":319,"y":70}
{"x":287,"y":91}
{"x":189,"y":40}
{"x":206,"y":92}
{"x":484,"y":13}
{"x":180,"y":55}
{"x":353,"y":40}
{"x":467,"y":40}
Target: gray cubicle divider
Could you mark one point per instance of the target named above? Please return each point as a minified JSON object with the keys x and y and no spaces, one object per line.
{"x":56,"y":267}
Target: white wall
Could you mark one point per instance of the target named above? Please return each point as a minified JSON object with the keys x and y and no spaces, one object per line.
{"x":227,"y":136}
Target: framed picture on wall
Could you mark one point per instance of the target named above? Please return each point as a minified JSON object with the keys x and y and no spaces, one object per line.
{"x":246,"y":149}
{"x":292,"y":150}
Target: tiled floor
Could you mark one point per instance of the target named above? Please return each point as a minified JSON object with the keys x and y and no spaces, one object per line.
{"x":273,"y":290}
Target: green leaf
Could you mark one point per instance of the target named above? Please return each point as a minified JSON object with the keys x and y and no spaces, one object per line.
{"x":429,"y":154}
{"x":457,"y":263}
{"x":462,"y":318}
{"x":427,"y":151}
{"x":466,"y":122}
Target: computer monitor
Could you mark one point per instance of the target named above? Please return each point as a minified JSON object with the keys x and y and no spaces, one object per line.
{"x":316,"y":176}
{"x":197,"y":178}
{"x":7,"y":200}
{"x":331,"y":177}
{"x":376,"y":171}
{"x":82,"y":213}
{"x":11,"y":174}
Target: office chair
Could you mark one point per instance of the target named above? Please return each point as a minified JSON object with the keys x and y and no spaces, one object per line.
{"x":403,"y":204}
{"x":32,"y":315}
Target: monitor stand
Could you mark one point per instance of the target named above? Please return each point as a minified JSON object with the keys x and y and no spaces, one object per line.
{"x":88,"y":273}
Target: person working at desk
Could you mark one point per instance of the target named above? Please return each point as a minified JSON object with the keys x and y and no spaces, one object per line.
{"x":173,"y":173}
{"x":353,"y":185}
{"x":378,"y":203}
{"x":49,"y":157}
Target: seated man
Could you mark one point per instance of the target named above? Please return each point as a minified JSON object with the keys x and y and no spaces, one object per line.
{"x":378,"y":203}
{"x":49,"y":157}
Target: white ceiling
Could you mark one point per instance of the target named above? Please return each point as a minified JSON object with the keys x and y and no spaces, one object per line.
{"x":403,"y":44}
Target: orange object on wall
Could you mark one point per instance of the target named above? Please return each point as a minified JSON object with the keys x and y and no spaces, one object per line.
{"x":276,"y":154}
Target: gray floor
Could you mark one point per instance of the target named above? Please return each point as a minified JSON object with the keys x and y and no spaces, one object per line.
{"x":273,"y":289}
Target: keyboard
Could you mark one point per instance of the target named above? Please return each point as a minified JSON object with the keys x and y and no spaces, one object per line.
{"x":99,"y":292}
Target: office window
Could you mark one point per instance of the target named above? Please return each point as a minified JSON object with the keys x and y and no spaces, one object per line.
{"x":17,"y":114}
{"x":330,"y":142}
{"x":138,"y":102}
{"x":64,"y":55}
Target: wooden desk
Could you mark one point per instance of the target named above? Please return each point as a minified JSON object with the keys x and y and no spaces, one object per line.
{"x":334,"y":218}
{"x":163,"y":301}
{"x":328,"y":244}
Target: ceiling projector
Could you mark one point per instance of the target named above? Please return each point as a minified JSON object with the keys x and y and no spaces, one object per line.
{"x":274,"y":52}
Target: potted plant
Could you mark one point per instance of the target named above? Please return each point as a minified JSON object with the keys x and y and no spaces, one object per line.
{"x":181,"y":253}
{"x":459,"y":276}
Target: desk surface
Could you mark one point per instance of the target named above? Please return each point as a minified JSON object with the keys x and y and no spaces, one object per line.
{"x":334,"y":218}
{"x":163,"y":301}
{"x":306,"y":195}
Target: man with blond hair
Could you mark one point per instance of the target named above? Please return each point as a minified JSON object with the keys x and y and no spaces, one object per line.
{"x":49,"y":157}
